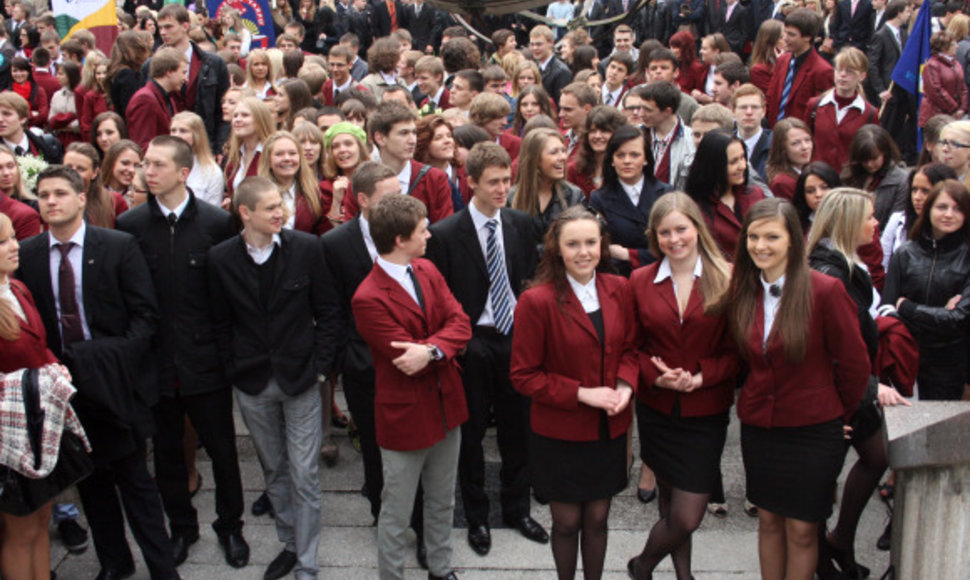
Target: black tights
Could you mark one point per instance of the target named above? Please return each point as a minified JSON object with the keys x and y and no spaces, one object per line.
{"x":862,"y":480}
{"x":681,"y":513}
{"x":568,"y":521}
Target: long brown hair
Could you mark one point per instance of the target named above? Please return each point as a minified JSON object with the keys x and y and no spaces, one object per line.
{"x":717,"y":272}
{"x":9,"y":321}
{"x":529,"y":178}
{"x":958,"y":193}
{"x":778,"y":161}
{"x":745,"y":293}
{"x":551,"y":269}
{"x":99,"y":209}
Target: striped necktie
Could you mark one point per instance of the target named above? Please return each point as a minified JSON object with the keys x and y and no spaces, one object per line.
{"x":786,"y":92}
{"x":498,"y":290}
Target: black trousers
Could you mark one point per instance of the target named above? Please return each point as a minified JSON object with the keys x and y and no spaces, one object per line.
{"x":487,"y":387}
{"x":211,"y":415}
{"x":139,"y":497}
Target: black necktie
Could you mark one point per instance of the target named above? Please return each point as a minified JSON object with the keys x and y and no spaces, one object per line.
{"x":71,"y":328}
{"x":19,"y":151}
{"x":417,"y":287}
{"x":775,"y":290}
{"x":172,"y":218}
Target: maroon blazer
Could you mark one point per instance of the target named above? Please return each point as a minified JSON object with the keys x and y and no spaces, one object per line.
{"x":304,"y":220}
{"x":555,"y":350}
{"x":40,"y":108}
{"x":783,"y":185}
{"x":944,"y":89}
{"x":327,"y":91}
{"x":29,"y":350}
{"x":761,"y":76}
{"x":581,"y":180}
{"x":444,"y":103}
{"x":413,"y":412}
{"x":48,"y":82}
{"x":826,"y":384}
{"x":725,"y":225}
{"x":94,"y":105}
{"x":511,"y":144}
{"x":230,"y":173}
{"x":813,"y":78}
{"x":433,"y":190}
{"x":698,"y":343}
{"x":832,"y":139}
{"x":26,"y":221}
{"x":149,"y":114}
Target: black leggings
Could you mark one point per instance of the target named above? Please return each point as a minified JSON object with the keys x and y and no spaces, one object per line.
{"x":569,"y":520}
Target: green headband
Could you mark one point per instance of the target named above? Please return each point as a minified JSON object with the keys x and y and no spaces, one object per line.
{"x":342,"y":128}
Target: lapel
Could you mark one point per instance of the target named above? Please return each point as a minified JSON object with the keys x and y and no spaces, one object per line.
{"x":281,"y":260}
{"x":468,"y":238}
{"x":575,"y":311}
{"x":33,"y":324}
{"x":396,"y":293}
{"x":358,"y":246}
{"x":510,"y":240}
{"x":802,"y":74}
{"x":90,"y":266}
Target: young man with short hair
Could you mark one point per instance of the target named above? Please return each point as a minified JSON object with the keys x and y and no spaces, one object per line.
{"x":287,"y":42}
{"x":275,"y":324}
{"x":489,"y":111}
{"x":728,"y":77}
{"x":394,"y":130}
{"x":632,"y":105}
{"x":709,"y":117}
{"x":415,"y":329}
{"x":175,"y":227}
{"x":748,"y":103}
{"x":486,"y":252}
{"x":575,"y":103}
{"x":669,"y":137}
{"x":44,"y":72}
{"x":14,"y":114}
{"x":801,"y":73}
{"x":620,"y":67}
{"x":465,"y":86}
{"x":555,"y":74}
{"x":152,"y":107}
{"x":358,"y":67}
{"x":624,"y":42}
{"x":96,"y":299}
{"x":339,"y":60}
{"x":429,"y":72}
{"x":663,"y":66}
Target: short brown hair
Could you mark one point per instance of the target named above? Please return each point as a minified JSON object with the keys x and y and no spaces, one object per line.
{"x":747,"y":90}
{"x":182,"y":153}
{"x":251,"y":190}
{"x":430,"y":64}
{"x":940,"y":41}
{"x":166,"y":60}
{"x":177,"y":11}
{"x":12,"y":100}
{"x":484,"y":155}
{"x":584,"y":93}
{"x":367,"y":175}
{"x":393,"y":216}
{"x":383,"y":55}
{"x":388,"y":115}
{"x":488,"y":106}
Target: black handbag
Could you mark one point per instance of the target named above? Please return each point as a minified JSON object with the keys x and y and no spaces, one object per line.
{"x":21,"y":495}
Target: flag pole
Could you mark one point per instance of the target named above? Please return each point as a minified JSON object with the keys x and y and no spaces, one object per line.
{"x":882,"y":108}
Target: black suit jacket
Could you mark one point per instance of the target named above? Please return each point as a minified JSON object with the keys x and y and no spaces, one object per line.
{"x":185,"y":346}
{"x":853,"y":30}
{"x":737,"y":30}
{"x":423,"y":27}
{"x":883,"y":54}
{"x":349,"y":263}
{"x":627,"y":223}
{"x":382,"y":18}
{"x":113,"y":372}
{"x":455,"y":250}
{"x":760,"y":154}
{"x":556,"y":76}
{"x":293,"y":337}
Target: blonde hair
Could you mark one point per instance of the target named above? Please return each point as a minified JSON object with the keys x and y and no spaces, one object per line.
{"x":20,"y":193}
{"x":717,"y":272}
{"x":200,"y":138}
{"x":853,"y":59}
{"x":9,"y":321}
{"x":304,"y":131}
{"x":262,"y":120}
{"x":526,"y":64}
{"x":959,"y":26}
{"x":306,"y":181}
{"x":840,"y":218}
{"x":259,"y":53}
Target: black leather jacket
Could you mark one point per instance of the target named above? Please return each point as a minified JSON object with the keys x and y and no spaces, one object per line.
{"x":857,"y":283}
{"x":928,"y":273}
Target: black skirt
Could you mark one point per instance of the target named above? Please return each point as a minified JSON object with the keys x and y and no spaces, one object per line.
{"x":577,"y":471}
{"x":684,"y":452}
{"x":791,"y":471}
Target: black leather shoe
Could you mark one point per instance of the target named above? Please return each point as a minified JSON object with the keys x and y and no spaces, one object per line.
{"x":886,"y":539}
{"x":633,"y":568}
{"x":530,"y":528}
{"x":421,"y":552}
{"x":646,"y":495}
{"x":180,"y":546}
{"x":235,"y":548}
{"x":480,"y":539}
{"x":448,"y":576}
{"x":263,"y":506}
{"x":280,"y":566}
{"x":116,"y":573}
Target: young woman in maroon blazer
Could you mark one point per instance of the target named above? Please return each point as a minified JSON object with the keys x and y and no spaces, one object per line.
{"x":791,"y":325}
{"x":687,"y":375}
{"x":283,"y":163}
{"x":573,"y":355}
{"x":252,"y":123}
{"x":791,"y":150}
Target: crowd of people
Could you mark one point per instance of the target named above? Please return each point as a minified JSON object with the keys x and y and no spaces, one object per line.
{"x":564,"y":233}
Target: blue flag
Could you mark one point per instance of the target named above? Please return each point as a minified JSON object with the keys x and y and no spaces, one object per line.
{"x":255,"y":16}
{"x":908,"y":72}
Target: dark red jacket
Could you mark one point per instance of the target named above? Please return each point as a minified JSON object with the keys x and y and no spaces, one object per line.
{"x":725,"y":225}
{"x":149,"y":114}
{"x":413,"y":412}
{"x":444,"y":103}
{"x":826,"y":384}
{"x":783,"y":185}
{"x":944,"y":88}
{"x":698,"y":343}
{"x":511,"y":144}
{"x":813,"y":78}
{"x":832,"y":139}
{"x":555,"y":350}
{"x":304,"y":220}
{"x":29,"y":350}
{"x":327,"y":91}
{"x":230,"y":172}
{"x":94,"y":105}
{"x":48,"y":82}
{"x":433,"y":190}
{"x":26,"y":221}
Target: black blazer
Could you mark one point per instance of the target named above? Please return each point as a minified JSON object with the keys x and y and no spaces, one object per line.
{"x":382,"y":18}
{"x":113,"y":371}
{"x":883,"y":55}
{"x":556,"y":76}
{"x":185,"y":346}
{"x":455,"y":250}
{"x":737,"y":30}
{"x":294,"y":337}
{"x":423,"y":27}
{"x":853,"y":30}
{"x":627,"y":223}
{"x":349,"y":263}
{"x":759,"y":157}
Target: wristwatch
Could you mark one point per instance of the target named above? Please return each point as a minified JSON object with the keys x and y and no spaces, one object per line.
{"x":435,"y":352}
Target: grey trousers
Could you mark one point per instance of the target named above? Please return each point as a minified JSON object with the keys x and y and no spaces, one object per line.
{"x":437,"y":469}
{"x":287,"y":434}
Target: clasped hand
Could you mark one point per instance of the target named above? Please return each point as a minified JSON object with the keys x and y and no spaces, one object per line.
{"x":613,"y":401}
{"x":675,"y":379}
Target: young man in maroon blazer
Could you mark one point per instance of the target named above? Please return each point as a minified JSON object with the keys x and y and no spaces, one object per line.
{"x":415,"y":328}
{"x":394,"y":130}
{"x":430,"y":74}
{"x":810,"y":74}
{"x":152,"y":107}
{"x":339,"y":61}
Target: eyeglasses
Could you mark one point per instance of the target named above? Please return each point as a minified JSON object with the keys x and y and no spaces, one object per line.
{"x":948,"y":143}
{"x":634,"y":108}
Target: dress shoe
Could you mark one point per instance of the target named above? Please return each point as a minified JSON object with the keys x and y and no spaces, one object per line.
{"x":280,"y":566}
{"x":633,"y":568}
{"x":448,"y":576}
{"x":263,"y":506}
{"x":73,"y":536}
{"x":421,"y":552}
{"x":235,"y":548}
{"x":646,"y":495}
{"x":180,"y":545}
{"x":480,"y":539}
{"x":886,"y":539}
{"x":529,"y":528}
{"x":116,"y":573}
{"x":750,"y":509}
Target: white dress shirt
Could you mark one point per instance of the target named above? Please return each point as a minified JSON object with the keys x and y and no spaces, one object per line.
{"x":585,"y":293}
{"x":401,"y":276}
{"x":177,"y":210}
{"x":481,"y":228}
{"x":771,"y":304}
{"x":404,"y":177}
{"x":368,"y":240}
{"x":260,"y":255}
{"x":633,"y":191}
